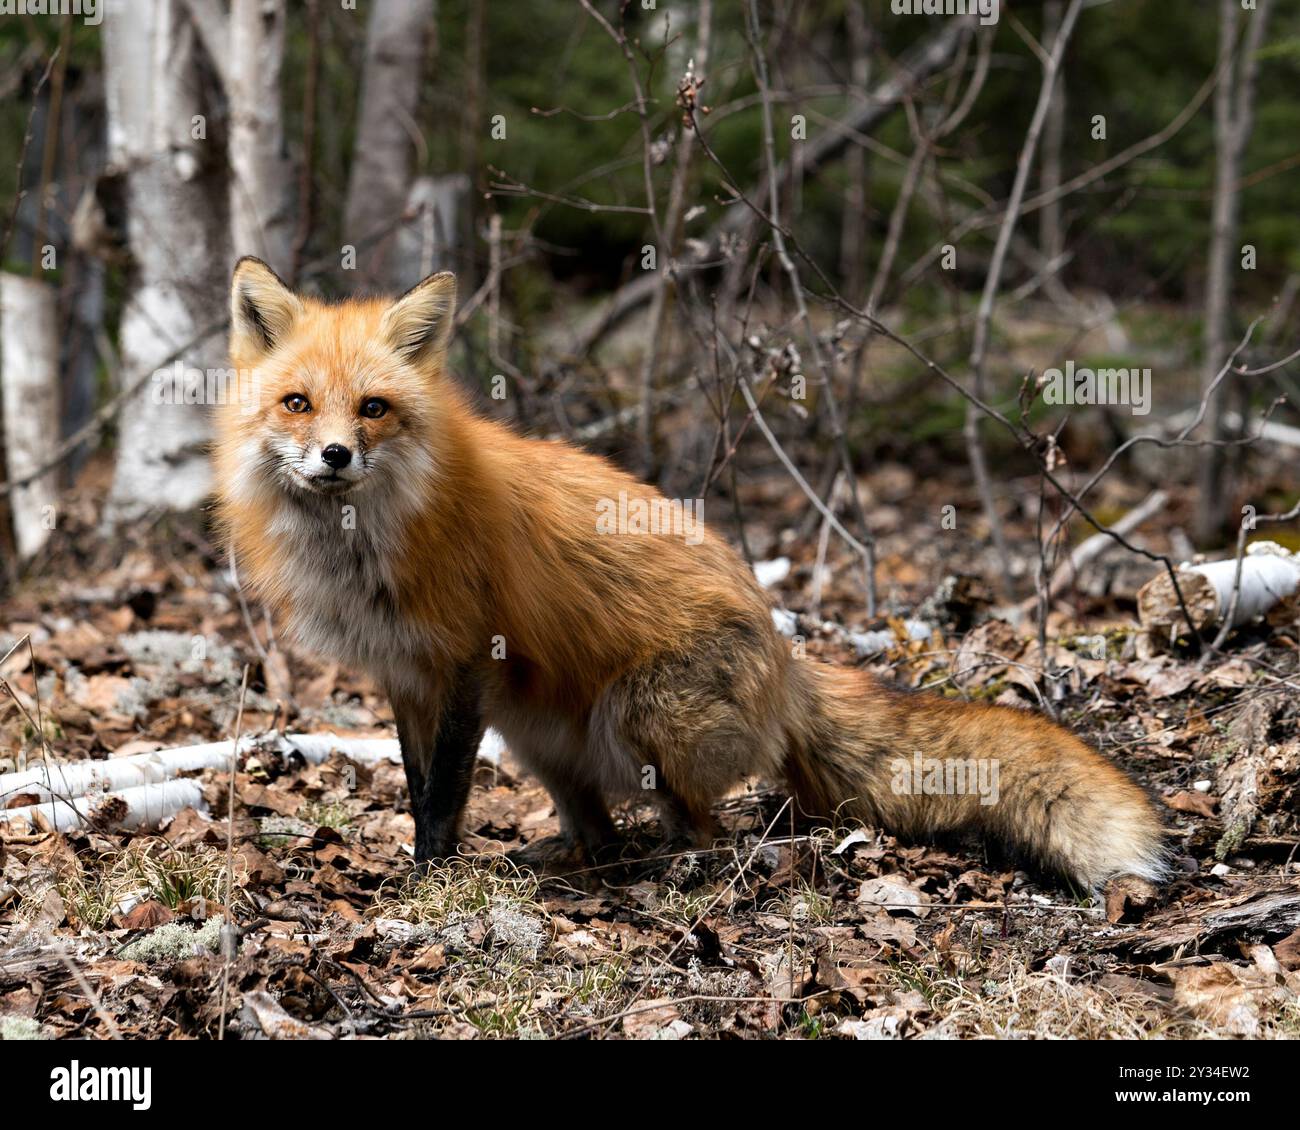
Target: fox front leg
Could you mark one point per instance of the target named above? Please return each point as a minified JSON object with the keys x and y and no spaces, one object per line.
{"x":439,"y":736}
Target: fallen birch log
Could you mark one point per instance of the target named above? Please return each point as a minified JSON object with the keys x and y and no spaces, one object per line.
{"x":1284,"y":435}
{"x":141,"y":806}
{"x":1269,"y":574}
{"x":79,"y":793}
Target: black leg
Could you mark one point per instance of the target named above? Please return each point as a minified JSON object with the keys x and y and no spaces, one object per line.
{"x":584,"y":819}
{"x":681,"y":823}
{"x":439,"y":738}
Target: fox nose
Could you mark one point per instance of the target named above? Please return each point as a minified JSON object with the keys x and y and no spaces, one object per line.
{"x":336,"y":456}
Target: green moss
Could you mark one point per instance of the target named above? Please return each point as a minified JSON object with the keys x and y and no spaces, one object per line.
{"x":20,"y":1028}
{"x":1232,"y":839}
{"x":174,"y":941}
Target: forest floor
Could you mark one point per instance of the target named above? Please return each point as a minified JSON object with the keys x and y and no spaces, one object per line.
{"x":777,"y":931}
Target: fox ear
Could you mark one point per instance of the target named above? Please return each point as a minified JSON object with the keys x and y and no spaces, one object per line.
{"x":262,"y":308}
{"x":419,"y":324}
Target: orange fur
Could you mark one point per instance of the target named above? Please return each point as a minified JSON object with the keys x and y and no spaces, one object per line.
{"x":471,"y":581}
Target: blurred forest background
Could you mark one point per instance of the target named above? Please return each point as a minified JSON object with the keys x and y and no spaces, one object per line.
{"x":547,"y":153}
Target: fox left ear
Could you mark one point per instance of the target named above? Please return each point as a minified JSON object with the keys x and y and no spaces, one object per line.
{"x":262,"y":308}
{"x":419,"y":324}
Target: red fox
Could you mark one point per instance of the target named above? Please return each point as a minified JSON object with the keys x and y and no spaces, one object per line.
{"x":465,"y":568}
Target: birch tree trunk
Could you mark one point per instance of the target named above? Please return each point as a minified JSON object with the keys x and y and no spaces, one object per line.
{"x":430,"y":240}
{"x":246,"y":48}
{"x":260,"y":220}
{"x":29,"y":341}
{"x":1234,"y":110}
{"x":176,"y":208}
{"x":380,"y":180}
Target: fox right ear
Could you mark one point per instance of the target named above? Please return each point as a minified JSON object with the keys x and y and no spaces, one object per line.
{"x":419,"y":324}
{"x":262,"y":308}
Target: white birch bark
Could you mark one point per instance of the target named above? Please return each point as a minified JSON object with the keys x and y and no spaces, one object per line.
{"x":259,"y":171}
{"x":144,"y":789}
{"x":380,"y":181}
{"x":430,"y":240}
{"x":29,"y":379}
{"x":176,"y":233}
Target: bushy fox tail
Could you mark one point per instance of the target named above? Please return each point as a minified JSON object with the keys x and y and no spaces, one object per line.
{"x":919,"y":765}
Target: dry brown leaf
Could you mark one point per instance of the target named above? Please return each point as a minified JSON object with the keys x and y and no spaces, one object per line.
{"x":895,"y":894}
{"x":888,"y":1023}
{"x":1228,"y":996}
{"x":654,"y":1020}
{"x":1162,"y":677}
{"x":1287,"y":951}
{"x":146,"y":915}
{"x":264,"y":1010}
{"x":1198,"y":804}
{"x":985,"y":652}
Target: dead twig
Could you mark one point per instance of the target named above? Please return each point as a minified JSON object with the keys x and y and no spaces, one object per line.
{"x":228,"y":930}
{"x":993,"y":281}
{"x":825,"y":371}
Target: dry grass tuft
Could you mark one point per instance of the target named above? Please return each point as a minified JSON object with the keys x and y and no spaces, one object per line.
{"x":1028,"y":1005}
{"x":94,"y":888}
{"x":456,"y":890}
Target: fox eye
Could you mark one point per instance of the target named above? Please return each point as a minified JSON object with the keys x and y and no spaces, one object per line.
{"x":373,"y":408}
{"x":296,"y":402}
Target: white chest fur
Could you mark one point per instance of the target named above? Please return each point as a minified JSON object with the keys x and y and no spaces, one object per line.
{"x":342,"y":590}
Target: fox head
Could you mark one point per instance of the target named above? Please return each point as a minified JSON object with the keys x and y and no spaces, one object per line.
{"x":335,"y":399}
